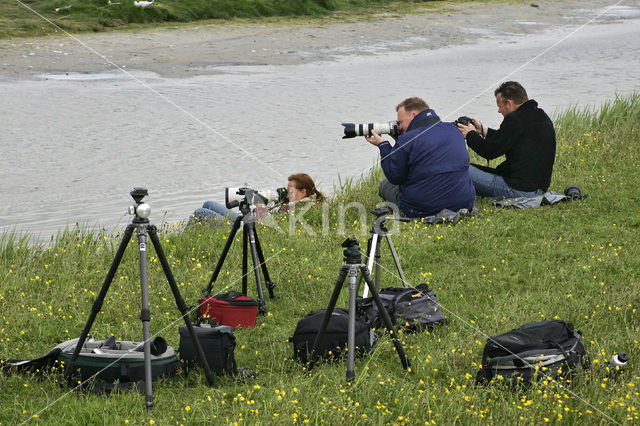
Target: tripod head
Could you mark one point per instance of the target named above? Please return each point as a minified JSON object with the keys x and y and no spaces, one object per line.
{"x":381,"y":215}
{"x":352,"y":253}
{"x":141,"y":210}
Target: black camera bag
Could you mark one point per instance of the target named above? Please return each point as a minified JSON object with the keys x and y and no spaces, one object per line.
{"x":411,"y":308}
{"x":544,"y":349}
{"x":218,"y":344}
{"x":334,"y":343}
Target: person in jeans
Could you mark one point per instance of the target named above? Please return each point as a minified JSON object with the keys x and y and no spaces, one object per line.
{"x":427,"y":170}
{"x":526,"y":138}
{"x":300,"y":188}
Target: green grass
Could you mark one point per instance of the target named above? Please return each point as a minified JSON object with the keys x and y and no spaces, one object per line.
{"x":577,"y":261}
{"x":38,"y":17}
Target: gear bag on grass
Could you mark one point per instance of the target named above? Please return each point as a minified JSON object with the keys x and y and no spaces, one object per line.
{"x":411,"y":308}
{"x":218,"y":344}
{"x":334,"y":343}
{"x":545,"y":349}
{"x":102,"y":363}
{"x":232,"y":308}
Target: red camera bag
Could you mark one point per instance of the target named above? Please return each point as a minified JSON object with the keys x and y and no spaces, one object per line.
{"x":232,"y":308}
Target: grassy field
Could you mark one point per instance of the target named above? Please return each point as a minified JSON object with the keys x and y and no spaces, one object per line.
{"x":20,"y":18}
{"x":577,"y":261}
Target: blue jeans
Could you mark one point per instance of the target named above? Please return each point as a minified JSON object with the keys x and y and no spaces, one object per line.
{"x":212,"y":210}
{"x":490,"y":185}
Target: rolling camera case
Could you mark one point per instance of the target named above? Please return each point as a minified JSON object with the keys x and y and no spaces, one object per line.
{"x":232,"y":308}
{"x":218,"y":344}
{"x":334,"y":343}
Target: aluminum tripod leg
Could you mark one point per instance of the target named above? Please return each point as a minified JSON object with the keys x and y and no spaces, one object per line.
{"x":351,"y":331}
{"x":374,"y":255}
{"x":145,"y":316}
{"x":395,"y":259}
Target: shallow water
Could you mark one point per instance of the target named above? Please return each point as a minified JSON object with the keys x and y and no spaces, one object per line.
{"x":74,"y":145}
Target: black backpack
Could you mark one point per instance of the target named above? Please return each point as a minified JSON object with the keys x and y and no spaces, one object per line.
{"x":411,"y":308}
{"x":334,"y":343}
{"x":545,"y":349}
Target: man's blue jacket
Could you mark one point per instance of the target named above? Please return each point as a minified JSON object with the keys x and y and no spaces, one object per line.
{"x":430,"y":163}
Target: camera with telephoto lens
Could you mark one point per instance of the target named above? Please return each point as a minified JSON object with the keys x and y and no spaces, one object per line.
{"x":234,"y":196}
{"x":351,"y":130}
{"x":464,"y":120}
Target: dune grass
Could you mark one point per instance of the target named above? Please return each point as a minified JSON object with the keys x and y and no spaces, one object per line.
{"x":577,"y":261}
{"x":42,"y":17}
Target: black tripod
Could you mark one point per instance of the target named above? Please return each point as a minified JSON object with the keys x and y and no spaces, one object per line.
{"x":378,"y":230}
{"x":353,"y":265}
{"x":142,"y":227}
{"x":249,"y":237}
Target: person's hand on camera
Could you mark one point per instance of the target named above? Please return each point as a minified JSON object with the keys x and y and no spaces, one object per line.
{"x":474,"y":125}
{"x":374,"y":139}
{"x":478,"y":125}
{"x":464,"y":129}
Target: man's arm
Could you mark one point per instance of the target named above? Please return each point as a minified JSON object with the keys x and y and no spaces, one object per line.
{"x":394,"y":160}
{"x":497,"y":142}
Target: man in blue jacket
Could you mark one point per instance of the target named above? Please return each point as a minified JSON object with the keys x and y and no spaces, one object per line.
{"x":427,"y":170}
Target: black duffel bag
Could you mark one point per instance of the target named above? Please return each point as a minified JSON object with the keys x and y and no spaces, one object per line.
{"x":334,"y":343}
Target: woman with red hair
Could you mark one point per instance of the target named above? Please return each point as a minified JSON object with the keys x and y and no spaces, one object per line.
{"x":300,"y":188}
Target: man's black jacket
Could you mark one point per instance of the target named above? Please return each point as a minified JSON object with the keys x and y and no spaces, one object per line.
{"x":527,"y":138}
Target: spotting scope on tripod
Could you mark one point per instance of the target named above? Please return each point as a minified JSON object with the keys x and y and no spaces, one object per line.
{"x":250,"y":241}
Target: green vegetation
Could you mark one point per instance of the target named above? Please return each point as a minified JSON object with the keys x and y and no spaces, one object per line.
{"x":25,"y":17}
{"x":497,"y":270}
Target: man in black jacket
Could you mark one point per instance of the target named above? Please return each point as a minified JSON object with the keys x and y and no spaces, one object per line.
{"x":526,"y":138}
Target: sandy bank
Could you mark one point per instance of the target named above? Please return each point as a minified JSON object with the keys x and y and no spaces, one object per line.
{"x":188,"y":50}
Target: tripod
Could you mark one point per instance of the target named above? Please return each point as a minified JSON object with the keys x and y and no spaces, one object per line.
{"x":140,"y":224}
{"x":379,"y":229}
{"x":353,"y":264}
{"x":249,"y":237}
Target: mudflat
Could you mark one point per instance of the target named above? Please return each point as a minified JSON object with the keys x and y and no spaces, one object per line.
{"x":202,"y":48}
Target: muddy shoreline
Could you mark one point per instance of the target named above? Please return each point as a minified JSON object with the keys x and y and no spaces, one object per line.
{"x":198,"y":49}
